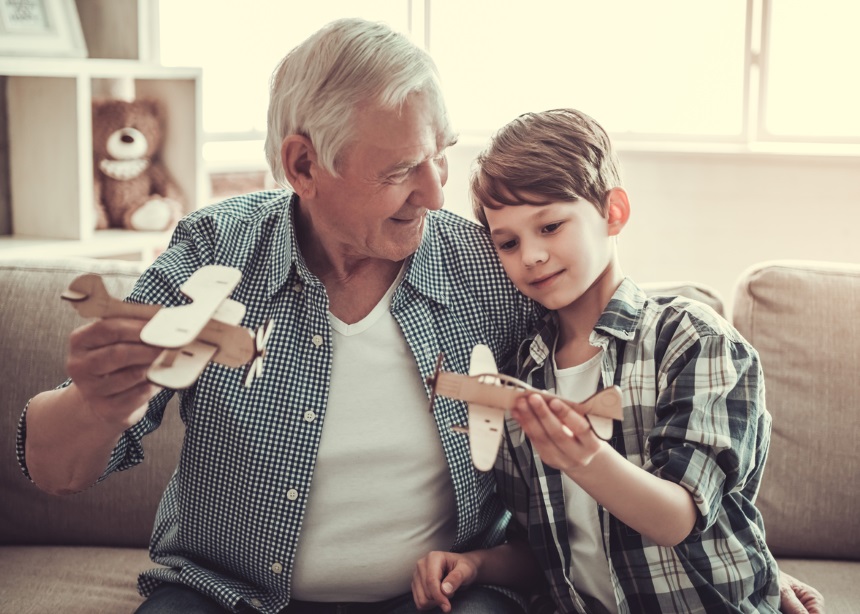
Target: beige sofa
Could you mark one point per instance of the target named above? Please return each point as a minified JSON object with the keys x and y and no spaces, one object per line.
{"x":81,"y":554}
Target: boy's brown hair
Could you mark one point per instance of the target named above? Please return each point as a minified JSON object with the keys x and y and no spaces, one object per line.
{"x":540,"y":158}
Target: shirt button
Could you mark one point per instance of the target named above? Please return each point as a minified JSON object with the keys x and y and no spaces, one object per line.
{"x":297,"y":287}
{"x":317,"y":340}
{"x":256,"y":602}
{"x":277,"y":567}
{"x":310,"y":416}
{"x":292,"y":494}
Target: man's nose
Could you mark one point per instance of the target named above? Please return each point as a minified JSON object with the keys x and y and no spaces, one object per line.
{"x":428,"y":192}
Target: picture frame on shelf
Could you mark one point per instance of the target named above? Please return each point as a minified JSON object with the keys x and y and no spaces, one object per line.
{"x":41,"y":28}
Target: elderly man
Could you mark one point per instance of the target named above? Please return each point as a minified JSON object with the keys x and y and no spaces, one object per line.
{"x":319,"y":487}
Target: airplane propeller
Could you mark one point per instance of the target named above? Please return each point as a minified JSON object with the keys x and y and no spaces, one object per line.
{"x":431,"y":381}
{"x":261,"y":338}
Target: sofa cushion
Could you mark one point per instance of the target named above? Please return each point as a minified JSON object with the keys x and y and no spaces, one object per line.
{"x":802,"y":317}
{"x":34,"y":330}
{"x":72,"y":580}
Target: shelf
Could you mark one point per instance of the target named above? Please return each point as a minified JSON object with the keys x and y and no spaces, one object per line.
{"x":121,"y":244}
{"x":93,"y":69}
{"x":49,"y":106}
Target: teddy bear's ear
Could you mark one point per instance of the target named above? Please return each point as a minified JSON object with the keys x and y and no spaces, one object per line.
{"x":150,"y":106}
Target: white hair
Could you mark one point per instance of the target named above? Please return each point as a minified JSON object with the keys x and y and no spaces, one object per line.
{"x":318,"y":85}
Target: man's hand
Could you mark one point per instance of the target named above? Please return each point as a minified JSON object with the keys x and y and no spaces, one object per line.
{"x":795,"y":597}
{"x":71,"y":431}
{"x":107,"y":362}
{"x":438,"y":576}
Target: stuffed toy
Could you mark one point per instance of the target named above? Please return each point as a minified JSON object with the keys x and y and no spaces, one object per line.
{"x":133,"y":189}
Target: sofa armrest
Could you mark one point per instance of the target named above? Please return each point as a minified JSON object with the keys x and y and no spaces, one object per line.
{"x":802,"y":317}
{"x":34,"y":329}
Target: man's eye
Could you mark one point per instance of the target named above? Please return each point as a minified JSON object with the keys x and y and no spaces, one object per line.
{"x":551,"y":228}
{"x":397,"y":177}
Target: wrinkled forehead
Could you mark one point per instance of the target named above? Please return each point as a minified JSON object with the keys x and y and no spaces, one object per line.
{"x":420,"y":118}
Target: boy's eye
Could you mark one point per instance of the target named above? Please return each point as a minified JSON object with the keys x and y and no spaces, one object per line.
{"x":506,"y":246}
{"x":551,"y":228}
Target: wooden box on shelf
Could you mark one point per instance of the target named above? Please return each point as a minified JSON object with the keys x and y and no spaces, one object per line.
{"x":49,"y":105}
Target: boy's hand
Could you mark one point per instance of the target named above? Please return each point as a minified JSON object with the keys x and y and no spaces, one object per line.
{"x":562,"y":437}
{"x":438,"y":576}
{"x":797,"y":597}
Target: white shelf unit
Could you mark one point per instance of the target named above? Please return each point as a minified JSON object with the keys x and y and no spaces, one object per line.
{"x":49,"y":103}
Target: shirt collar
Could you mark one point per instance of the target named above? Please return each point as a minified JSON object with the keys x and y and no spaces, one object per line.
{"x":423,"y":270}
{"x":426,"y":271}
{"x":621,"y":316}
{"x":619,"y":319}
{"x":284,"y":251}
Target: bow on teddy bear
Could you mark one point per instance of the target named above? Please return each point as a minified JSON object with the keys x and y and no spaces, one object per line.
{"x":133,"y":189}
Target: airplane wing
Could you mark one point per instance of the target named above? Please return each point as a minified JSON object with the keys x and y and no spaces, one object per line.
{"x":180,"y":368}
{"x":486,"y":424}
{"x":601,"y":408}
{"x":207,"y":288}
{"x":221,"y":340}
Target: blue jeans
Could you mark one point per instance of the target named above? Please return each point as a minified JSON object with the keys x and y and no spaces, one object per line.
{"x":180,"y":599}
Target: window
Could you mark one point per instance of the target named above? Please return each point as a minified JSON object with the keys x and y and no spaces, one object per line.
{"x":813,"y":60}
{"x":665,"y":67}
{"x":742,"y":72}
{"x":238,"y":46}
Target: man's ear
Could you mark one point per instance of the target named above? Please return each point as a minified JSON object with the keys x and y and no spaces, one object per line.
{"x":299,"y":158}
{"x":617,"y":210}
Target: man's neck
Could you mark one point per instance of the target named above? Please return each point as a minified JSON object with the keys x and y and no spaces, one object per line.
{"x":354,"y":295}
{"x":354,"y":283}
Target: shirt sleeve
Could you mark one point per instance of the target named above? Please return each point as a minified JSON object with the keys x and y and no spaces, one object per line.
{"x":159,"y":284}
{"x":512,"y":485}
{"x":710,"y":417}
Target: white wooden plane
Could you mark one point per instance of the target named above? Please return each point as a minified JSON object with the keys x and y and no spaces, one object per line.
{"x":206,"y":329}
{"x":490,"y":395}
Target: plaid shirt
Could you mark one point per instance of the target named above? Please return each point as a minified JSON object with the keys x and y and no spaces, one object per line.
{"x":229,"y":521}
{"x":694,"y":414}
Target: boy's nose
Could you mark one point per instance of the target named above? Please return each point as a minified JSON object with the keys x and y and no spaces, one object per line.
{"x":534,"y":255}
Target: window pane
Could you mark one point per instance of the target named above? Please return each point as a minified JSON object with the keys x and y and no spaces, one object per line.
{"x":813,"y":69}
{"x":239,"y":44}
{"x":665,"y":66}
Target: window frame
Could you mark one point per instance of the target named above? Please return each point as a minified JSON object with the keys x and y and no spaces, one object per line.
{"x":753,"y":137}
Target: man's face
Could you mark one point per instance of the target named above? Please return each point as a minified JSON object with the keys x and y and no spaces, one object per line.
{"x":390,"y":176}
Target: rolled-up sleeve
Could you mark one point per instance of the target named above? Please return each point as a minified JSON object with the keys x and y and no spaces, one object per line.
{"x":708,"y":412}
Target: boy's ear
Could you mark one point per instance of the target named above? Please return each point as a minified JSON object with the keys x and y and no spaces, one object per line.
{"x":617,"y":210}
{"x":299,"y":159}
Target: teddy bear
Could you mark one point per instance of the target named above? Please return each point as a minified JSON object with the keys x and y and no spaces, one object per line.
{"x":133,"y":189}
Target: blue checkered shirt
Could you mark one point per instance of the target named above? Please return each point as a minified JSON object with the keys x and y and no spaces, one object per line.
{"x":694,"y":414}
{"x":229,"y":521}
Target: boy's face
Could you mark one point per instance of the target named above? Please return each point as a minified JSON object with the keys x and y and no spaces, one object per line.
{"x":555,"y":253}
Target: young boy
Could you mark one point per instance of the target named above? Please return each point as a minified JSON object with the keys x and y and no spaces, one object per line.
{"x":661,"y":517}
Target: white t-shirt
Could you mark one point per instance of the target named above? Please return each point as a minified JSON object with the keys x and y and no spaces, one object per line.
{"x":589,"y":568}
{"x":382,"y":495}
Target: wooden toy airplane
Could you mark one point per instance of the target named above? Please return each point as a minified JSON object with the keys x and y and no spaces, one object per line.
{"x":490,"y":394}
{"x":206,"y":329}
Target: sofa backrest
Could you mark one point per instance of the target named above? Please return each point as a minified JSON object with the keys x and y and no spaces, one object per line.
{"x":802,"y":317}
{"x":688,"y":289}
{"x":34,"y":328}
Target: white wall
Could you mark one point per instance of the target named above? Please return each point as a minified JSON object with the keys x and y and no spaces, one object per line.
{"x":707,"y":217}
